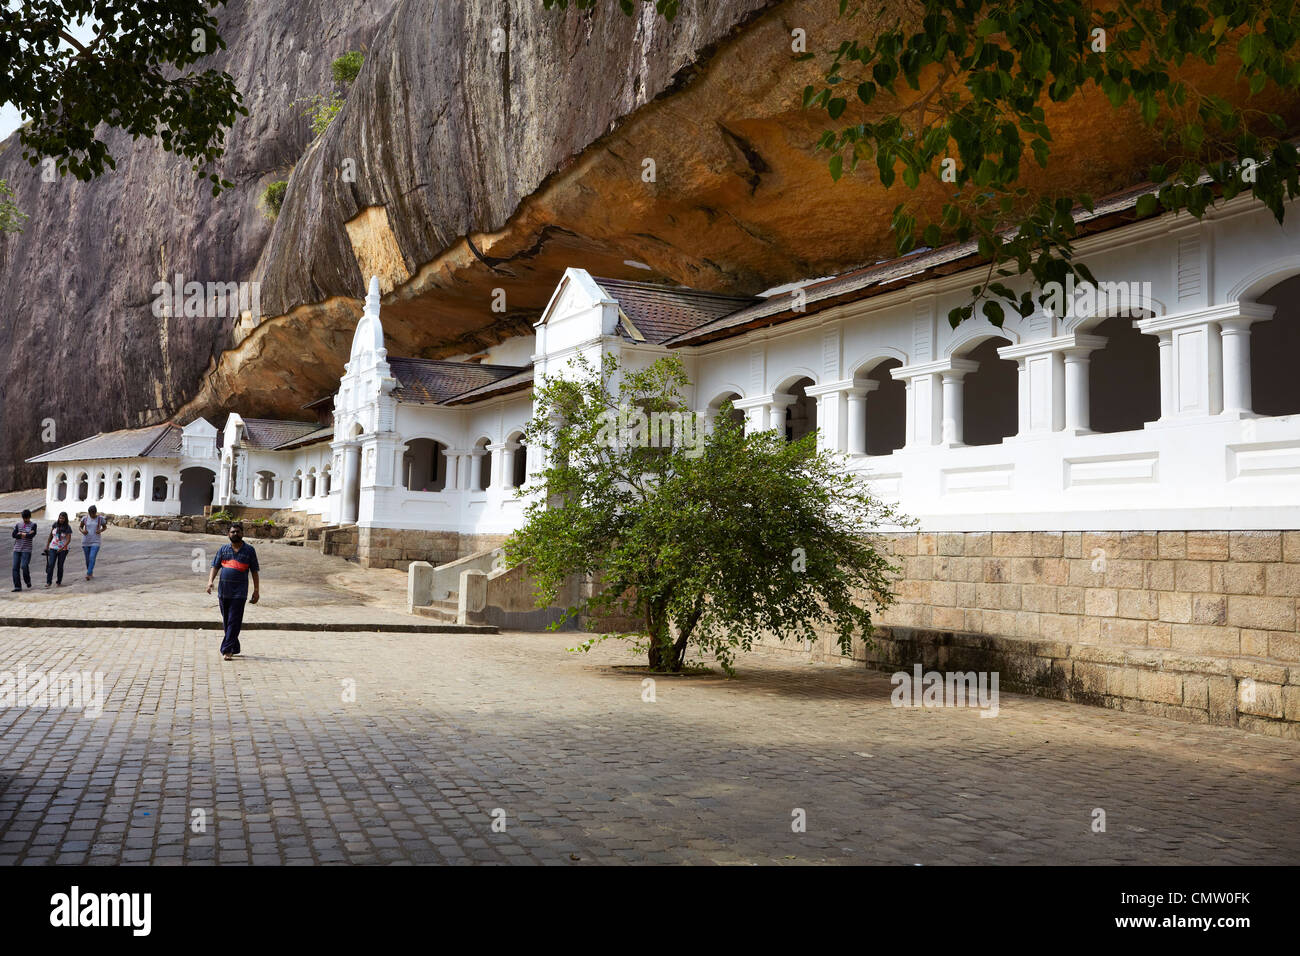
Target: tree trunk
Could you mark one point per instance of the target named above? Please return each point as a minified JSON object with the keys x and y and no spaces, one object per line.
{"x":661,"y":648}
{"x":679,"y":648}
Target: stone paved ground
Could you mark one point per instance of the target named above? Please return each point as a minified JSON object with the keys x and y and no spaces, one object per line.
{"x":161,"y":575}
{"x":445,"y":729}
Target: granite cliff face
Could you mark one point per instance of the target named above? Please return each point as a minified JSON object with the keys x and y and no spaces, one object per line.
{"x":486,"y":144}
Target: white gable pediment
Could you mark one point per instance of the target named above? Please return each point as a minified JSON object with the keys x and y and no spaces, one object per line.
{"x":199,"y":428}
{"x":576,"y":293}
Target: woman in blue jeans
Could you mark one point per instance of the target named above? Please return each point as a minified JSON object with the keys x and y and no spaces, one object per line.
{"x":56,"y":548}
{"x":92,"y":524}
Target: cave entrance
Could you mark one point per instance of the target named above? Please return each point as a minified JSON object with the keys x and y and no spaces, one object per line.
{"x":197,"y":485}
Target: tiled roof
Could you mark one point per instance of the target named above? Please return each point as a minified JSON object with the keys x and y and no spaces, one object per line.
{"x":268,"y":433}
{"x":156,"y":441}
{"x":430,"y":382}
{"x":660,"y":312}
{"x":511,"y":383}
{"x":320,"y":434}
{"x":13,"y":502}
{"x":879,"y":278}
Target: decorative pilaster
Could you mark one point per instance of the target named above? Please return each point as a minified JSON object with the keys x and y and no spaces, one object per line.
{"x":1205,"y":360}
{"x":1053,"y":382}
{"x":835,"y":427}
{"x":927,"y":387}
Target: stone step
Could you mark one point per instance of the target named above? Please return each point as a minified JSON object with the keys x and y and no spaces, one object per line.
{"x":439,"y":612}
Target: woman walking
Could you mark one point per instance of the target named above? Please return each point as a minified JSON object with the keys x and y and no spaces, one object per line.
{"x":56,"y":548}
{"x":92,"y":526}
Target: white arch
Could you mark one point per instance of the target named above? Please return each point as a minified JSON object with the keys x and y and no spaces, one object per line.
{"x":431,"y":436}
{"x":1081,"y":323}
{"x":724,"y":393}
{"x":874,"y":357}
{"x":793,"y":377}
{"x":1262,"y":278}
{"x":977,"y":333}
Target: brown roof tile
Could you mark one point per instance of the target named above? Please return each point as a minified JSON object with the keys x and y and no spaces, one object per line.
{"x":268,"y":433}
{"x":430,"y":381}
{"x":660,"y":312}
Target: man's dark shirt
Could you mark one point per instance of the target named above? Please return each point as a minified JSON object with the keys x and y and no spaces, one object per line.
{"x":235,"y":566}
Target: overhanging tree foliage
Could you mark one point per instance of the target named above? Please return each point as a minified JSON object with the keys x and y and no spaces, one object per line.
{"x":706,"y":541}
{"x":955,"y":90}
{"x":134,"y":75}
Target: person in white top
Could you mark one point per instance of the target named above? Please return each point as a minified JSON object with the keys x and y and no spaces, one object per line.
{"x":92,"y":526}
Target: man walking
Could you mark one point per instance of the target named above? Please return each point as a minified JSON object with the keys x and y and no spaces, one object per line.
{"x":92,"y":525}
{"x":24,"y":531}
{"x":237,"y":561}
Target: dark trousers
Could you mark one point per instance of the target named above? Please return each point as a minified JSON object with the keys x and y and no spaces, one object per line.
{"x":22,"y":560}
{"x":232,"y":616}
{"x":54,"y":559}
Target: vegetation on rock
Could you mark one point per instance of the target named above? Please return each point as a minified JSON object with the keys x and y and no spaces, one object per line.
{"x":323,"y":107}
{"x":11,"y":217}
{"x":273,"y":197}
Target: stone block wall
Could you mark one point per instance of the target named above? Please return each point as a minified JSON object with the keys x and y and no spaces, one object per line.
{"x":1222,"y":593}
{"x":397,"y":548}
{"x":1198,"y":625}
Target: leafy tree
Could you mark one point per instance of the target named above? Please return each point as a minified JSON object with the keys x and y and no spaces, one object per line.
{"x":135,"y":75}
{"x":11,"y":217}
{"x":321,"y":110}
{"x":705,"y":541}
{"x":273,"y":197}
{"x":956,"y":90}
{"x":346,"y":67}
{"x":323,"y":107}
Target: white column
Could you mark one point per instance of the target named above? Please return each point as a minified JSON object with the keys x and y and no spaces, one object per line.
{"x":1236,"y":364}
{"x":1024,"y":397}
{"x":1166,"y":342}
{"x":776,"y":412}
{"x":476,"y":471}
{"x":496,"y":477}
{"x":856,"y":443}
{"x":507,"y":467}
{"x":1078,"y":416}
{"x":351,"y":479}
{"x":952,"y":407}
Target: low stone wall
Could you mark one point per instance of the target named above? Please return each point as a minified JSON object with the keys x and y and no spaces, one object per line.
{"x":1172,"y":623}
{"x":194,"y":524}
{"x":397,"y":548}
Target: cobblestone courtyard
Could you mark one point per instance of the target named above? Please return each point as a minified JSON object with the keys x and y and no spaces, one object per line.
{"x":447,"y":729}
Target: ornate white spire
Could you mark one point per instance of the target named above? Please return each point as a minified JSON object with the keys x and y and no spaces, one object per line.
{"x":369,"y":337}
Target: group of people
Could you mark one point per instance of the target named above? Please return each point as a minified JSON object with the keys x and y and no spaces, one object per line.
{"x":235,"y":562}
{"x":57,"y":544}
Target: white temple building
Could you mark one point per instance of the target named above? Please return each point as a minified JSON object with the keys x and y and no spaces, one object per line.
{"x":1171,"y":402}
